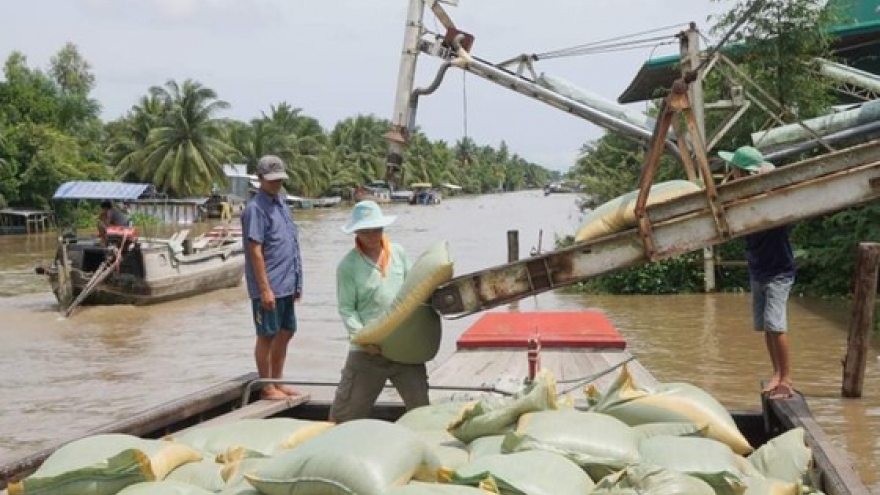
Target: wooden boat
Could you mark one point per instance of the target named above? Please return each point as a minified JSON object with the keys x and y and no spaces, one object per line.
{"x":425,"y":194}
{"x":494,"y":356}
{"x":560,"y":188}
{"x":401,"y":196}
{"x":127,"y":268}
{"x":377,"y":191}
{"x":327,"y":201}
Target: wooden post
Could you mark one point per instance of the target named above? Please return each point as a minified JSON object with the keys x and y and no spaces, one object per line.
{"x":513,"y":255}
{"x":512,"y":246}
{"x":862,"y":322}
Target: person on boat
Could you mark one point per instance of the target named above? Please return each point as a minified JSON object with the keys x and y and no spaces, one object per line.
{"x":109,"y":216}
{"x":367,"y":280}
{"x":273,"y":272}
{"x":771,"y":275}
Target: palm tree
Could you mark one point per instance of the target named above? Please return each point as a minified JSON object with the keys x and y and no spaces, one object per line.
{"x":361,"y":143}
{"x":184,"y":154}
{"x":255,"y":140}
{"x":128,"y":137}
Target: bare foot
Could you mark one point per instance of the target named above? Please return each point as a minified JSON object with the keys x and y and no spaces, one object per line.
{"x":289,"y":390}
{"x":270,"y":392}
{"x":771,"y":385}
{"x":782,"y":391}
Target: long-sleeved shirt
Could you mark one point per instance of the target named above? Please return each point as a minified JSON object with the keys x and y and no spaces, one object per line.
{"x":363,"y":295}
{"x":267,"y":221}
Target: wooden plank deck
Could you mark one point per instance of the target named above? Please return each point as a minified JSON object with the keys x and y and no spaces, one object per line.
{"x":255,"y":410}
{"x":504,"y":368}
{"x":483,"y":368}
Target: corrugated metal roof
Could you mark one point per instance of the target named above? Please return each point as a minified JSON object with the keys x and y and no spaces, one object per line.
{"x":860,"y":27}
{"x":121,"y":191}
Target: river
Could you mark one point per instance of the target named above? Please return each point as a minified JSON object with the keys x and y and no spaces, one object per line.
{"x":62,"y":377}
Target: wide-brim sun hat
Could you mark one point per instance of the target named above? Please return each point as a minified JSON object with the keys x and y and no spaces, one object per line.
{"x":367,"y":215}
{"x":746,"y":158}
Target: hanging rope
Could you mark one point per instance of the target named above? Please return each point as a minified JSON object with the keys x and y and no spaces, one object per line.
{"x":465,"y":156}
{"x":610,"y":44}
{"x":464,"y":102}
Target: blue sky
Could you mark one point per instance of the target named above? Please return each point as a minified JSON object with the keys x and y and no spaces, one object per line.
{"x":339,"y":58}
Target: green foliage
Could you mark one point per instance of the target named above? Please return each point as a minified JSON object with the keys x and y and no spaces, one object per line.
{"x":182,"y":151}
{"x":776,"y":48}
{"x":141,"y":219}
{"x":829,"y":247}
{"x":175,"y":138}
{"x":49,"y":128}
{"x":670,"y":276}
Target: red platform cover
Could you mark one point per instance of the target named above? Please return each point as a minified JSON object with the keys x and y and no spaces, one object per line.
{"x":575,"y":329}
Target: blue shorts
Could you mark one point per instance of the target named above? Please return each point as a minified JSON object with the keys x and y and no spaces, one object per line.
{"x":769,"y":303}
{"x":269,"y":323}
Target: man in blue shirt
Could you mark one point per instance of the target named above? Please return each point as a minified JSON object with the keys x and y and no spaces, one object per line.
{"x":771,"y":274}
{"x":273,"y":271}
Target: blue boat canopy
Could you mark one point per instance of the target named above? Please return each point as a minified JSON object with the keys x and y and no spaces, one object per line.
{"x":120,"y":191}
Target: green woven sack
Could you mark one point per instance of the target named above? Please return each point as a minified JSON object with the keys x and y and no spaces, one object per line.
{"x":410,"y":331}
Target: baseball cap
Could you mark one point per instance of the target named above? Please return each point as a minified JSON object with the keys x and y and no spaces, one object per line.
{"x":270,"y":167}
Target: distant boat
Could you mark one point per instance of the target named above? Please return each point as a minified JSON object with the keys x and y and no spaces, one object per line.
{"x":128,"y":268}
{"x":299,"y":203}
{"x":560,"y":187}
{"x":377,"y":191}
{"x":401,"y":196}
{"x":424,"y":193}
{"x":327,"y":201}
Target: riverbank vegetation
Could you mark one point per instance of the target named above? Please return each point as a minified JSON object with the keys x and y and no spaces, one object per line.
{"x":177,"y":138}
{"x":783,"y":40}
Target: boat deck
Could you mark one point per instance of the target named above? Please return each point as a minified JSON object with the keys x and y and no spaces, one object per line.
{"x":468,"y":373}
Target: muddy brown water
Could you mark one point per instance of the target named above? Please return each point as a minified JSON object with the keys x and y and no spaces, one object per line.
{"x":61,"y":377}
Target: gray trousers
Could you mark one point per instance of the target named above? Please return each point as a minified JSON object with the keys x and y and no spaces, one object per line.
{"x":363,"y":378}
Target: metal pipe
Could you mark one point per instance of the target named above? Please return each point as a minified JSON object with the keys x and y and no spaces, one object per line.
{"x":849,"y":75}
{"x":529,"y":88}
{"x":248,"y":389}
{"x":823,"y":125}
{"x":414,"y":97}
{"x":852,"y":132}
{"x":597,"y":102}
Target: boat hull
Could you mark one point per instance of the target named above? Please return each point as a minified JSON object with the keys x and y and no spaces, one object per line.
{"x":152,"y":274}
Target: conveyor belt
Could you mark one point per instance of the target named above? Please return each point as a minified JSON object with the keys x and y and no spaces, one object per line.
{"x":789,"y":194}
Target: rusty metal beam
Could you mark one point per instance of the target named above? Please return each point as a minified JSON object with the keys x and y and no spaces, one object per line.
{"x":786,"y":195}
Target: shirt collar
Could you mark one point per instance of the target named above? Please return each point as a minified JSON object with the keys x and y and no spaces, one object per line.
{"x":271,"y":199}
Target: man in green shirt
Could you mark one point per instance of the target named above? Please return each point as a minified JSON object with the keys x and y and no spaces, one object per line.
{"x":367,"y":280}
